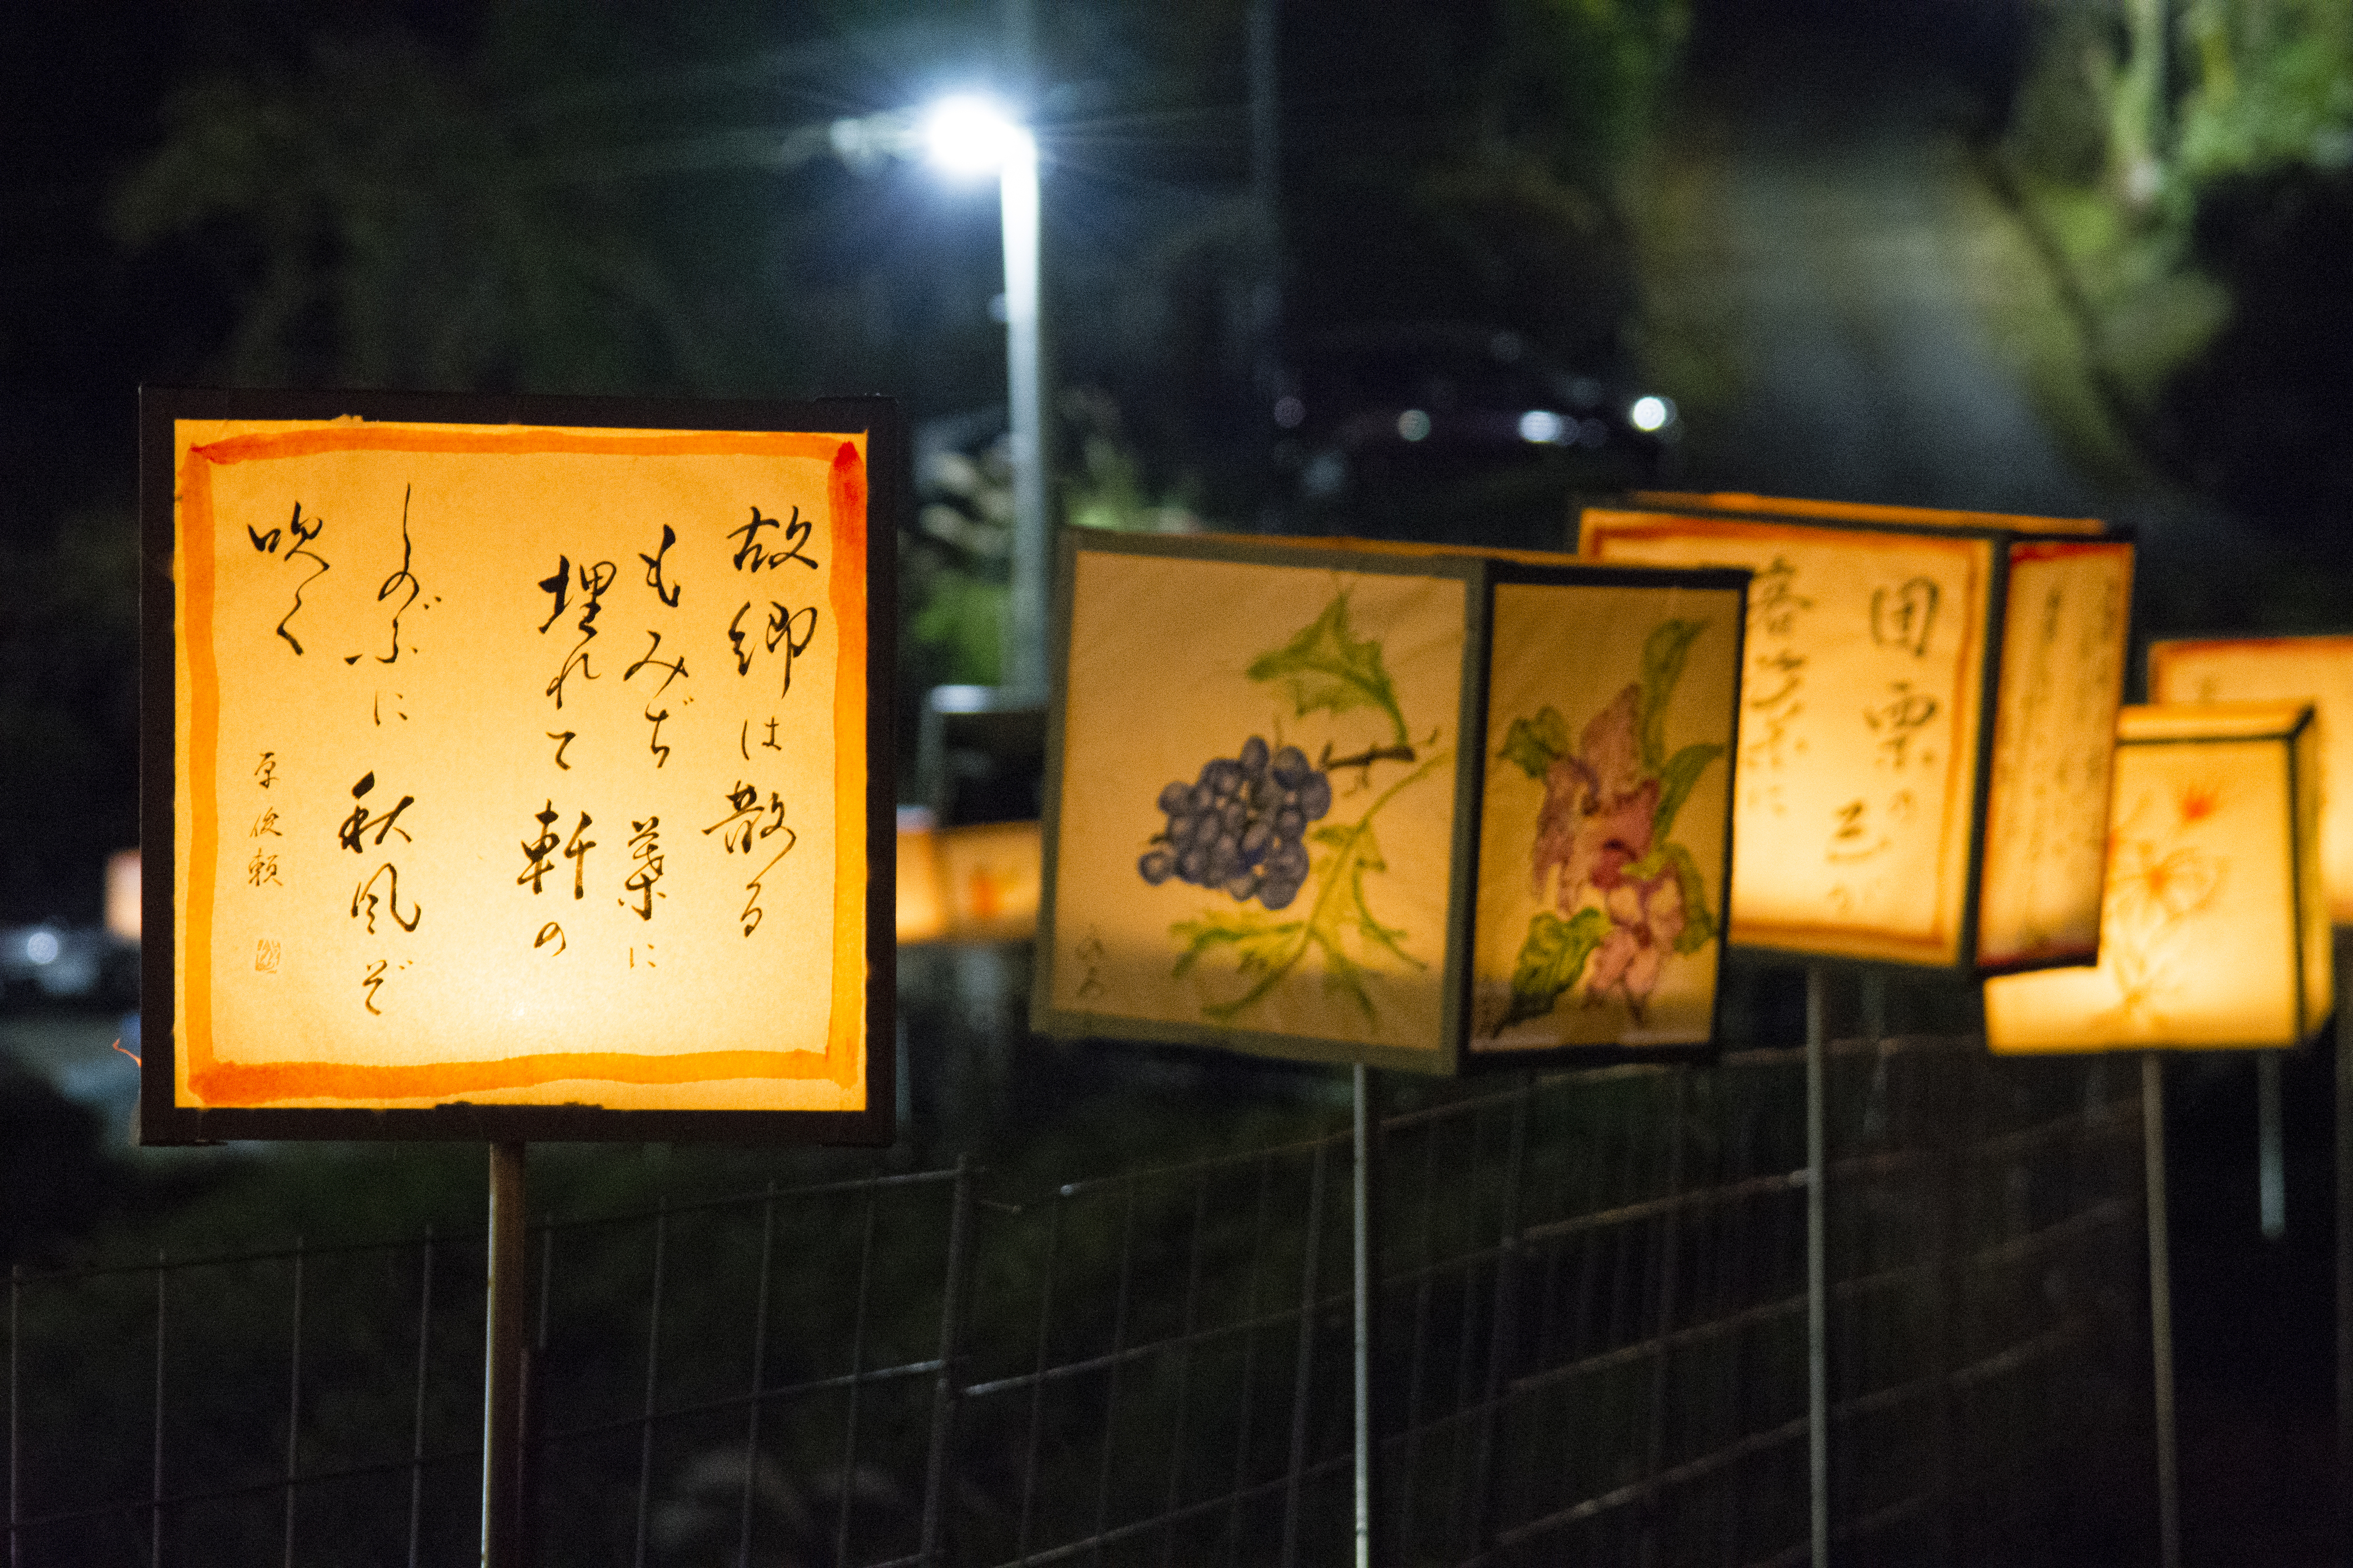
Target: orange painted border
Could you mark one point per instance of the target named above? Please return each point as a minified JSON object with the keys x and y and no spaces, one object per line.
{"x":2049,"y":550}
{"x":216,"y":1084}
{"x":1868,"y":512}
{"x":2166,"y":649}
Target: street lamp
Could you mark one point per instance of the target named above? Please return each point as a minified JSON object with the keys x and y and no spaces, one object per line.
{"x":968,"y":136}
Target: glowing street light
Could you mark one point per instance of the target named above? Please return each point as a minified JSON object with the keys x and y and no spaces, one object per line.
{"x":966,"y":136}
{"x":969,"y":135}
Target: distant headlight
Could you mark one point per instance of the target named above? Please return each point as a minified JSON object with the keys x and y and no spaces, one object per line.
{"x":1540,"y":425}
{"x":1650,"y":413}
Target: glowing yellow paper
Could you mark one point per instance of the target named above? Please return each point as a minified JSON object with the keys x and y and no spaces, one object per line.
{"x":520,"y":765}
{"x":1161,"y":683}
{"x":991,"y":873}
{"x":2214,"y":934}
{"x":1860,"y":715}
{"x":2318,"y":670}
{"x":921,"y":910}
{"x":2054,"y":720}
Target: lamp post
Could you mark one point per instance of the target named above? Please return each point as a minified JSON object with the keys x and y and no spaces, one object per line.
{"x":968,"y":136}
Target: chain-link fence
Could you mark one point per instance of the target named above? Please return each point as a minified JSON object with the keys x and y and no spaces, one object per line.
{"x":1590,"y":1347}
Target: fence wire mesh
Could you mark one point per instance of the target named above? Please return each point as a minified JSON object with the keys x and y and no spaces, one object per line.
{"x":1590,"y":1346}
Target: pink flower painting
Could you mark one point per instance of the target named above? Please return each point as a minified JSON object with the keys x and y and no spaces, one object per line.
{"x":1627,"y":897}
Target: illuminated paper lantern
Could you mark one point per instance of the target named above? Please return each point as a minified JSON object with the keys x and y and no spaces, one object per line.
{"x":974,"y":883}
{"x":922,"y":909}
{"x":990,"y":872}
{"x":512,"y":768}
{"x":2318,"y":670}
{"x":1927,"y":714}
{"x":1406,"y":806}
{"x":2216,"y":933}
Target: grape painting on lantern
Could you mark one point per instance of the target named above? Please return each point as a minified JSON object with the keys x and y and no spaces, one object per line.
{"x":1257,"y":795}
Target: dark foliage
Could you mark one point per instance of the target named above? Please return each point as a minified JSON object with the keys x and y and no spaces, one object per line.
{"x":2265,"y":417}
{"x":54,"y":1183}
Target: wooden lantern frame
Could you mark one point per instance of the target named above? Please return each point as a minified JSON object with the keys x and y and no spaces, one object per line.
{"x":161,"y":1119}
{"x":2005,"y":537}
{"x":1480,"y":573}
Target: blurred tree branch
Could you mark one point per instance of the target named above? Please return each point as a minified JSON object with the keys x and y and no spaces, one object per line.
{"x":387,"y":226}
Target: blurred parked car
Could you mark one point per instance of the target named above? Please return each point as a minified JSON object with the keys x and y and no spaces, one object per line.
{"x":1407,"y":417}
{"x":60,"y":963}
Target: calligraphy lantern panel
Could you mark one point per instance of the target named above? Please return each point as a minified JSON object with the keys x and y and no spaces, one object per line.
{"x":1924,"y":736}
{"x":510,"y":768}
{"x":1414,"y":807}
{"x":2318,"y":670}
{"x":2216,"y":930}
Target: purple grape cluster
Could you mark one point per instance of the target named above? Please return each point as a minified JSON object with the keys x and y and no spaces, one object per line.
{"x":1242,"y":825}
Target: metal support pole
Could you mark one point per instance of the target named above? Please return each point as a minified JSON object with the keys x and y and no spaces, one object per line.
{"x":2344,"y":1233}
{"x":2271,"y":1157}
{"x":944,"y":1386}
{"x":1817,"y":1381}
{"x":2161,"y":1309}
{"x":503,"y":1348}
{"x":1363,"y":1290}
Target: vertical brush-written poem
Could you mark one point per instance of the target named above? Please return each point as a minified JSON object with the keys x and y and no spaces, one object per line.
{"x":520,"y":765}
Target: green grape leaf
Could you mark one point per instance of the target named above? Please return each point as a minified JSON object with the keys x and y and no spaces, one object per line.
{"x":1662,"y":666}
{"x":1358,"y":852}
{"x":1325,"y":668}
{"x":1681,"y":771}
{"x":1536,"y":744}
{"x":1343,"y":976}
{"x":1551,"y":960}
{"x":1258,"y":940}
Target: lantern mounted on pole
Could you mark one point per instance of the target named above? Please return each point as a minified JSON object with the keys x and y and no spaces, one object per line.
{"x":1925,"y":714}
{"x":2318,"y":669}
{"x":515,"y":768}
{"x":2215,"y":936}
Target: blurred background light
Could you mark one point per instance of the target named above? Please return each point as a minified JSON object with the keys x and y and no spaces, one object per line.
{"x":967,"y":135}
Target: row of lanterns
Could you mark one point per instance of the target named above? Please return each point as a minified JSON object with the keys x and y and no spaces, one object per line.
{"x":1421,"y":806}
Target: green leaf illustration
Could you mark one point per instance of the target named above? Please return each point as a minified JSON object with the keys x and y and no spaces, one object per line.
{"x":1325,"y":668}
{"x":1662,"y":666}
{"x":1551,"y":960}
{"x":1258,"y":940}
{"x":1363,"y":854}
{"x":1699,"y":926}
{"x":1681,"y":771}
{"x":1536,"y":744}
